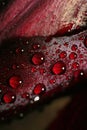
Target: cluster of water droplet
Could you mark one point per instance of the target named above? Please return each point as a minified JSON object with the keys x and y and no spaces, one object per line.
{"x":38,"y":58}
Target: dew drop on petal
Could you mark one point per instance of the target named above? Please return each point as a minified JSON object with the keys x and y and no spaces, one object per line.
{"x":74,"y":47}
{"x":15,"y":81}
{"x":39,"y":89}
{"x":59,"y":68}
{"x":75,"y":65}
{"x":9,"y":97}
{"x":63,"y":54}
{"x":78,"y":75}
{"x":25,"y":95}
{"x":19,"y":50}
{"x":15,"y":66}
{"x":73,"y":55}
{"x":36,"y":46}
{"x":38,"y":58}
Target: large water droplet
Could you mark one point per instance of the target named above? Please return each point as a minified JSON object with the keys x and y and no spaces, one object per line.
{"x":73,"y":55}
{"x":9,"y":97}
{"x":59,"y":68}
{"x":37,"y":98}
{"x":38,"y":58}
{"x":39,"y":89}
{"x":15,"y":81}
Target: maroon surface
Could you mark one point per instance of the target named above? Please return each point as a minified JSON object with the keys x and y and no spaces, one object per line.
{"x":57,"y":63}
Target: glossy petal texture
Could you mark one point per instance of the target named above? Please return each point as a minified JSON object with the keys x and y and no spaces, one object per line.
{"x":34,"y":82}
{"x":42,"y":17}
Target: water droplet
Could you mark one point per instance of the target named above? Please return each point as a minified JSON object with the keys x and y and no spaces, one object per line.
{"x":78,"y":75}
{"x":63,"y":54}
{"x":25,"y":95}
{"x":15,"y":81}
{"x":39,"y":89}
{"x":59,"y":68}
{"x":37,"y":98}
{"x":36,"y":46}
{"x":15,"y":66}
{"x":38,"y":58}
{"x":9,"y":97}
{"x":74,"y":47}
{"x":52,"y":81}
{"x":19,"y":50}
{"x":75,"y":65}
{"x":73,"y":55}
{"x":85,"y":41}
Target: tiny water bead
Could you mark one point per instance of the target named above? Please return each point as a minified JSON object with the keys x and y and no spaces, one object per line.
{"x":63,"y":54}
{"x":73,"y":55}
{"x":38,"y":58}
{"x":78,"y":75}
{"x":75,"y":65}
{"x":85,"y":41}
{"x":25,"y":95}
{"x":19,"y":50}
{"x":59,"y":68}
{"x":39,"y":89}
{"x":74,"y":47}
{"x":9,"y":97}
{"x":36,"y":46}
{"x":15,"y":81}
